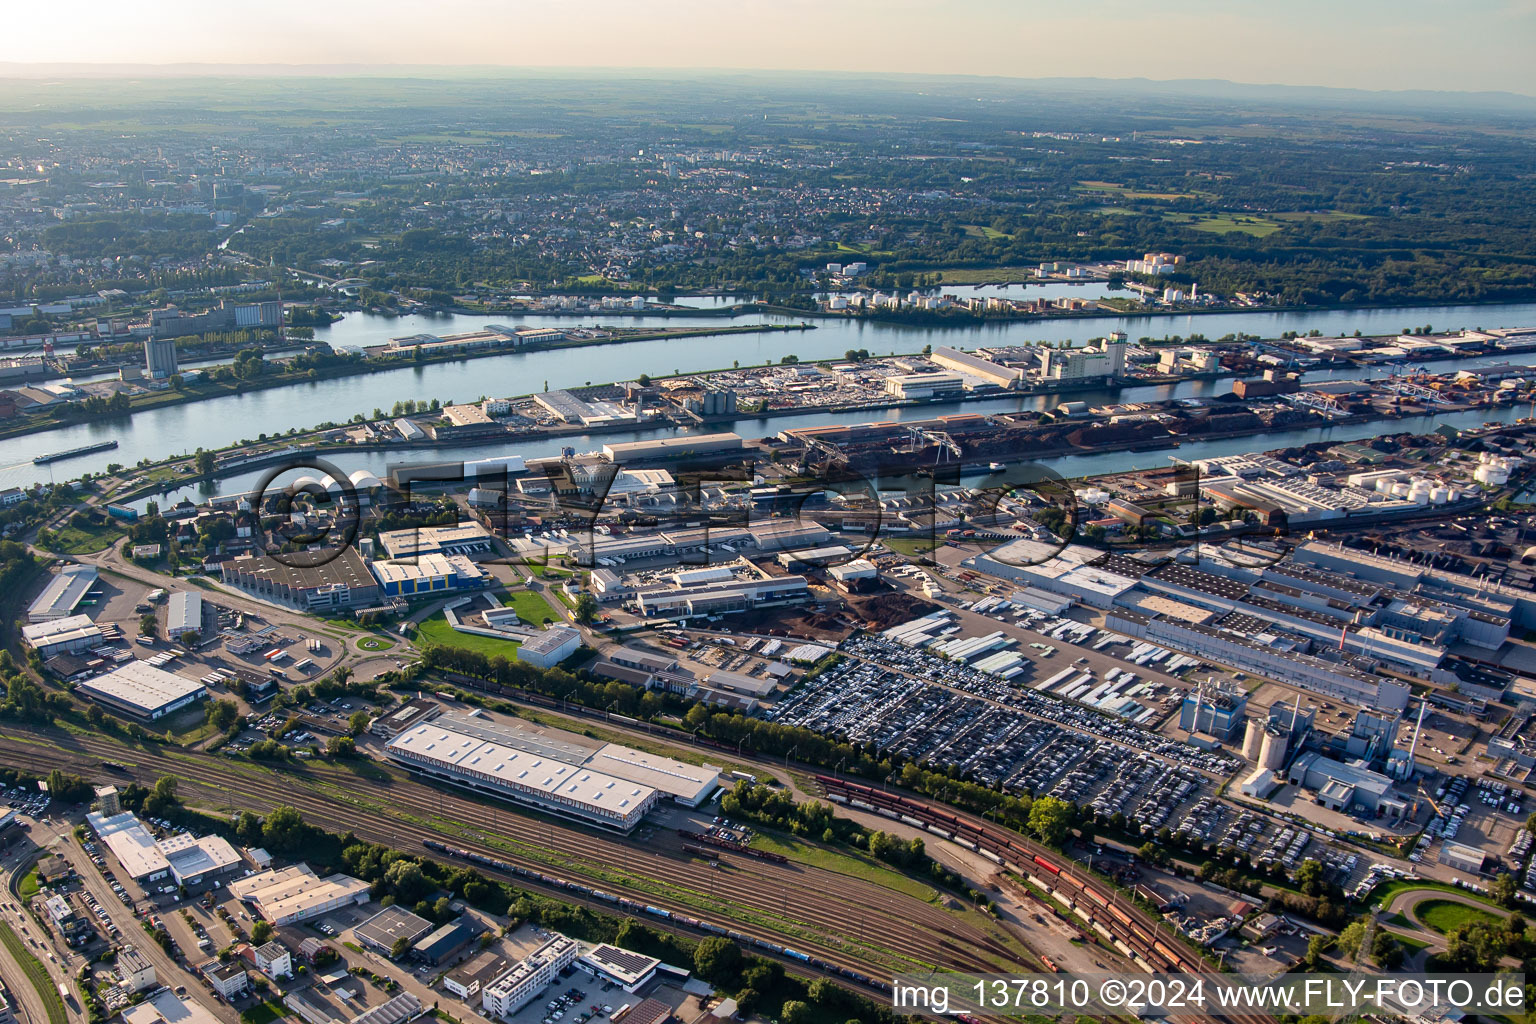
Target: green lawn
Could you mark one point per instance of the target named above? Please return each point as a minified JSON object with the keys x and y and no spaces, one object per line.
{"x":1226,"y":223}
{"x":82,"y":540}
{"x":867,"y":868}
{"x":29,"y":886}
{"x":530,"y":607}
{"x":375,"y":643}
{"x":1445,"y":915}
{"x":36,"y":973}
{"x":262,"y":1013}
{"x":437,"y":631}
{"x":912,"y":547}
{"x":1383,"y":895}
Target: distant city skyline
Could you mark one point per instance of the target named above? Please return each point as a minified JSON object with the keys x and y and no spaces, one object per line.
{"x":1474,"y":45}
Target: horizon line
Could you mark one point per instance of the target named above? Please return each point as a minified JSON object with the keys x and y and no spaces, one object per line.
{"x":198,"y":69}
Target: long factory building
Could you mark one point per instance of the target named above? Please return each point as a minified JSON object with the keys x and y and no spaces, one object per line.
{"x":603,"y":784}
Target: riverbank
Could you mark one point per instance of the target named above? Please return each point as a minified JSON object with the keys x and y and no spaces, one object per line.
{"x":200,"y":391}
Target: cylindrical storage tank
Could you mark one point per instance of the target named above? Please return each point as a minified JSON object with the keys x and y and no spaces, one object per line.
{"x":1440,"y":495}
{"x":1253,"y":740}
{"x":1272,"y":753}
{"x":1399,"y":490}
{"x":1384,"y":485}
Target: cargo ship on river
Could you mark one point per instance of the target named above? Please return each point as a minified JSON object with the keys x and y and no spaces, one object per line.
{"x":69,"y":453}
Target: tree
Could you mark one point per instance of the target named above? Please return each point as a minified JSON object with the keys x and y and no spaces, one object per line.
{"x":586,"y":609}
{"x":1389,"y":953}
{"x":261,"y":932}
{"x":400,"y":948}
{"x":1309,"y":878}
{"x":283,"y":830}
{"x":204,"y":460}
{"x":1050,"y":819}
{"x":162,"y":800}
{"x":1350,"y":939}
{"x":795,"y":1012}
{"x":1314,"y":954}
{"x":357,"y":723}
{"x":221,"y":714}
{"x":717,"y":960}
{"x":405,"y":879}
{"x":1505,"y":889}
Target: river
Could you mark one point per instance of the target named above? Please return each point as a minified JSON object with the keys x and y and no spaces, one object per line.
{"x":157,"y":433}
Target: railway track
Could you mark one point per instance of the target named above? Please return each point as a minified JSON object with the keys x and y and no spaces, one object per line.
{"x":792,"y":901}
{"x":1132,"y":928}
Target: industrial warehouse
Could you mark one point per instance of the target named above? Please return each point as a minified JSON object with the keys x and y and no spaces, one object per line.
{"x":609,"y":785}
{"x":139,"y":689}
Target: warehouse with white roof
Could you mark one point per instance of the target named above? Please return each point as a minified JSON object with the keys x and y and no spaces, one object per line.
{"x":486,"y":758}
{"x":63,"y":593}
{"x":68,"y":635}
{"x":293,"y":894}
{"x":139,"y":689}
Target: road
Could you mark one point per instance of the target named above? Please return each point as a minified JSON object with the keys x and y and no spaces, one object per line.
{"x":166,"y":969}
{"x":801,"y":904}
{"x":41,"y":942}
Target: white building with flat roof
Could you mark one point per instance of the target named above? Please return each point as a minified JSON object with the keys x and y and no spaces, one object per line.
{"x":192,"y":859}
{"x":526,"y":979}
{"x":139,"y":689}
{"x":469,"y":538}
{"x":68,"y":635}
{"x":478,"y":756}
{"x":292,"y":894}
{"x":184,"y":614}
{"x":132,"y":845}
{"x":550,"y":647}
{"x":166,"y":1007}
{"x":687,"y":784}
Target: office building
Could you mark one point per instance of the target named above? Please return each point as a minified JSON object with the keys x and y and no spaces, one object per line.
{"x":273,"y":960}
{"x":229,"y":980}
{"x":134,"y":968}
{"x":529,"y":977}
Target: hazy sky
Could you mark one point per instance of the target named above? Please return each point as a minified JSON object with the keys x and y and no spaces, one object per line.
{"x":1373,"y":44}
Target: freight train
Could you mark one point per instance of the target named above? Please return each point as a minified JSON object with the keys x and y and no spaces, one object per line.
{"x":636,"y":908}
{"x":1128,"y":925}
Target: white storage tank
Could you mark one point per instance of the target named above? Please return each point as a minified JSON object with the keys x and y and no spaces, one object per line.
{"x":1272,"y":753}
{"x":1253,"y":740}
